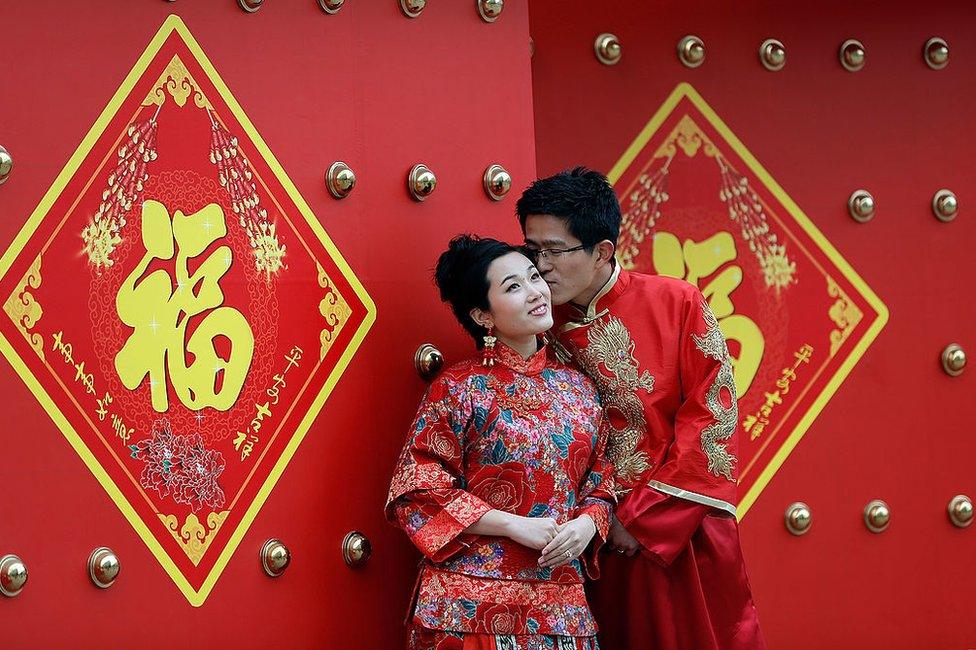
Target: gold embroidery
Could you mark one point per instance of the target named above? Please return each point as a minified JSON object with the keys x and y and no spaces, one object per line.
{"x":590,"y":314}
{"x":610,"y":344}
{"x":720,"y":461}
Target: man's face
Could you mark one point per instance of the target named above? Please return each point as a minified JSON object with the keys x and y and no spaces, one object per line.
{"x":569,"y":274}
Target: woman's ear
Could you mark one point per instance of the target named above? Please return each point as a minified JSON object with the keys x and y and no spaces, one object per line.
{"x":481,"y":317}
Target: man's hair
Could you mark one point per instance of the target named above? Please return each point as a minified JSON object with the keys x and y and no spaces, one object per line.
{"x":582,"y":198}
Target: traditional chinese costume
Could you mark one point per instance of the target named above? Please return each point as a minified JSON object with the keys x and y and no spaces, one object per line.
{"x":664,"y":373}
{"x":525,"y":437}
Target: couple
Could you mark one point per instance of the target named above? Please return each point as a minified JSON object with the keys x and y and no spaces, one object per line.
{"x":524,"y":461}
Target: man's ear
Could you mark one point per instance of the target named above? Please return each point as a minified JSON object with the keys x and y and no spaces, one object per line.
{"x":481,"y":317}
{"x":605,"y":251}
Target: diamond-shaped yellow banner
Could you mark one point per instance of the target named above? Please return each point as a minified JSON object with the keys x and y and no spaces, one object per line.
{"x":698,"y":206}
{"x":179,"y":311}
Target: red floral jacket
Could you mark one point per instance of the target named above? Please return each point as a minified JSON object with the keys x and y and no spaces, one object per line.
{"x":526,"y":437}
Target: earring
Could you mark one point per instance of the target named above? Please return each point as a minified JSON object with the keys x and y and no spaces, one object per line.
{"x":488,"y":351}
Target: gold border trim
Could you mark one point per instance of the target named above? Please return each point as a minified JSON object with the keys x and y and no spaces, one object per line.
{"x":195,"y":597}
{"x":692,"y":496}
{"x":591,"y":314}
{"x":684,"y":89}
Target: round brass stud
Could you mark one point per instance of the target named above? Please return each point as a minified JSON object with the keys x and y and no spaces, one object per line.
{"x":497,"y":182}
{"x":691,"y":51}
{"x":877,"y":516}
{"x":331,"y":6}
{"x":798,"y":518}
{"x":250,"y":6}
{"x":861,"y":206}
{"x":421,"y":182}
{"x":772,"y":54}
{"x":428,"y":361}
{"x":961,"y":511}
{"x":852,"y":55}
{"x":945,"y":205}
{"x":953,"y":359}
{"x":6,"y":165}
{"x":936,"y":53}
{"x":340,"y":179}
{"x":103,"y":567}
{"x":412,"y":8}
{"x":13,"y":575}
{"x":607,"y":49}
{"x":356,"y":549}
{"x":490,"y":10}
{"x":275,"y":557}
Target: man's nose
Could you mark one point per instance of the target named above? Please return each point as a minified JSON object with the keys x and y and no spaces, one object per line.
{"x":543,"y":265}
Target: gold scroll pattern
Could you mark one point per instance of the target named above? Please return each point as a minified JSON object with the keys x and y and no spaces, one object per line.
{"x":334,"y":309}
{"x":689,"y":137}
{"x":610,"y":345}
{"x":23,"y":308}
{"x":193,"y":537}
{"x":177,"y":81}
{"x":845,"y":314}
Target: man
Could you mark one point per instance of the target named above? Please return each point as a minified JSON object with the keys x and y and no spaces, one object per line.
{"x":677,"y":578}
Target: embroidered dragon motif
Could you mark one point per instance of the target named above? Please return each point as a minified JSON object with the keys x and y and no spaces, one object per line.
{"x":712,"y":344}
{"x":610,"y":345}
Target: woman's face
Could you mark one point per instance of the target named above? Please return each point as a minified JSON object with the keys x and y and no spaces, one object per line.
{"x":519,"y":298}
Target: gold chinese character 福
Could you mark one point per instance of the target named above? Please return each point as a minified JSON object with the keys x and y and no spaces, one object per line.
{"x":695,"y":261}
{"x":159,"y":310}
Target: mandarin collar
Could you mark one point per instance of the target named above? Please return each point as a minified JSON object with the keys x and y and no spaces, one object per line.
{"x":576,"y":316}
{"x":512,"y":359}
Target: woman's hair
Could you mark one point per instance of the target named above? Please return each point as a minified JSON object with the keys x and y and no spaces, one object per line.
{"x":462,"y":277}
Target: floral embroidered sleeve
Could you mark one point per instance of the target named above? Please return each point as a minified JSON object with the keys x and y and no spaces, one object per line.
{"x":597,"y":498}
{"x":427,"y":495}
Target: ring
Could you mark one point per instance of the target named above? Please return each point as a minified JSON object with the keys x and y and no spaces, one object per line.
{"x":568,"y":553}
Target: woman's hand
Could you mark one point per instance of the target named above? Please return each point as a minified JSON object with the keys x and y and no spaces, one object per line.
{"x":533,"y":532}
{"x":569,"y":543}
{"x":620,"y":540}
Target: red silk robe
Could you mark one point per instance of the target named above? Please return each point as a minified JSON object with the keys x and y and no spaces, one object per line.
{"x":526,"y":437}
{"x":662,"y":368}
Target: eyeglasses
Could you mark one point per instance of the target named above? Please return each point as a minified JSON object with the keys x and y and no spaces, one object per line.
{"x":552,"y":253}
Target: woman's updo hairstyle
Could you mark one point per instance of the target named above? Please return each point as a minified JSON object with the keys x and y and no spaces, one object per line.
{"x":462,"y":277}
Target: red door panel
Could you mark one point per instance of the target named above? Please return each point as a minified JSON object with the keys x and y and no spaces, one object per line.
{"x":895,"y":427}
{"x":368,"y":86}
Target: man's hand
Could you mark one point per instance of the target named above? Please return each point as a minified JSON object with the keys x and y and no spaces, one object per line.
{"x":621,"y":541}
{"x":569,"y":542}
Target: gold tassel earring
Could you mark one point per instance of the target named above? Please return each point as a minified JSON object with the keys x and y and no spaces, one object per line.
{"x":488,"y":351}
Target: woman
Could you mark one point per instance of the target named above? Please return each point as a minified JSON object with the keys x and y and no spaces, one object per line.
{"x":502,"y":484}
